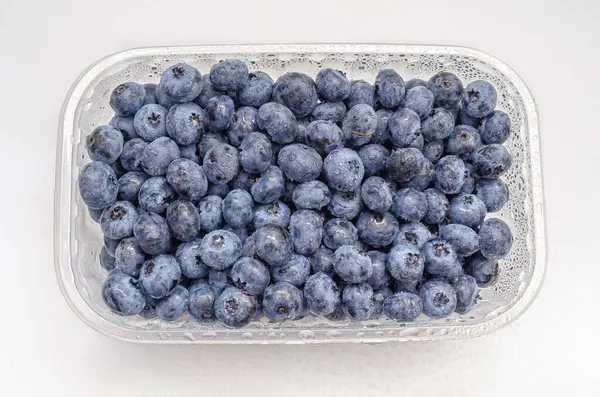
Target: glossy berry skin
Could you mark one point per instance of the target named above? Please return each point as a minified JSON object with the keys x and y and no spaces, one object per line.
{"x":172,"y":306}
{"x":437,"y":206}
{"x":98,"y":185}
{"x":158,"y":155}
{"x":441,"y":259}
{"x":209,"y":140}
{"x":278,"y":121}
{"x":220,"y":249}
{"x":321,"y":294}
{"x":389,"y":88}
{"x":495,"y":128}
{"x":352,"y":264}
{"x":404,"y":126}
{"x":360,"y":92}
{"x":495,"y":239}
{"x":377,"y":229}
{"x":242,"y":123}
{"x":306,"y":231}
{"x":183,"y":219}
{"x":359,"y":124}
{"x":201,"y":300}
{"x":276,"y":213}
{"x":329,"y":111}
{"x":257,"y":90}
{"x":423,"y":179}
{"x":180,"y":83}
{"x":159,"y":275}
{"x":463,"y":142}
{"x":190,"y":261}
{"x":282,"y":301}
{"x":255,"y":153}
{"x":491,"y":161}
{"x":420,"y":100}
{"x":219,"y":112}
{"x":297,"y":92}
{"x":129,"y":257}
{"x":449,"y":174}
{"x":211,"y":214}
{"x":345,"y":205}
{"x":414,"y":233}
{"x":324,"y":136}
{"x":466,"y":293}
{"x":150,"y":122}
{"x":376,"y":194}
{"x":373,"y":157}
{"x":467,"y":209}
{"x":131,"y":156}
{"x":130,"y":185}
{"x":311,"y":195}
{"x":403,"y":307}
{"x":406,"y":263}
{"x":250,"y":275}
{"x":186,"y":123}
{"x":229,"y":75}
{"x":380,"y":277}
{"x":188,"y":179}
{"x":118,"y":219}
{"x":238,"y":208}
{"x":269,"y":187}
{"x":338,"y":232}
{"x":332,"y":85}
{"x":447,"y":90}
{"x":221,"y":164}
{"x":104,"y":144}
{"x":127,"y":98}
{"x":300,"y":163}
{"x":479,"y":98}
{"x":464,"y":240}
{"x":404,"y":164}
{"x":152,"y":233}
{"x":122,"y":294}
{"x":343,"y":170}
{"x":234,"y":308}
{"x":438,"y":298}
{"x":357,"y":301}
{"x":273,"y":244}
{"x":295,"y":271}
{"x":156,"y":195}
{"x":485,"y":271}
{"x":409,"y":204}
{"x":493,"y":193}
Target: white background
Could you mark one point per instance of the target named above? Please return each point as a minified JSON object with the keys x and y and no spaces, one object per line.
{"x":553,"y":348}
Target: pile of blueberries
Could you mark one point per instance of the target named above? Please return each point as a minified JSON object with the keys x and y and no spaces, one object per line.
{"x":231,"y":196}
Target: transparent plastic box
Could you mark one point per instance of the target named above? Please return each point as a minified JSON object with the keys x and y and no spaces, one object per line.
{"x":78,"y":239}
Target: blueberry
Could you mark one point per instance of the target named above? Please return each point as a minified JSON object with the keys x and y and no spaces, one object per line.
{"x":449,"y":174}
{"x":211,"y":215}
{"x":479,"y":98}
{"x":438,"y":298}
{"x":306,"y":231}
{"x":495,"y":239}
{"x":403,"y":307}
{"x":467,"y":209}
{"x":437,"y":206}
{"x":127,"y":98}
{"x":433,"y":151}
{"x":122,"y":295}
{"x":273,"y":244}
{"x":288,"y":191}
{"x":380,"y":277}
{"x":207,"y":92}
{"x":321,"y":293}
{"x":234,"y":308}
{"x":257,"y":90}
{"x":221,"y":163}
{"x":217,"y":190}
{"x":381,"y":135}
{"x":269,"y":187}
{"x":332,"y":85}
{"x":158,"y":155}
{"x":469,"y":185}
{"x":447,"y":90}
{"x":297,"y":92}
{"x":359,"y":124}
{"x":125,"y":126}
{"x":493,"y":193}
{"x":150,"y":121}
{"x":111,"y":245}
{"x":322,"y":261}
{"x":241,"y":232}
{"x":163,"y":99}
{"x":187,"y":179}
{"x":190,"y":152}
{"x":360,"y":92}
{"x":464,"y":119}
{"x":156,"y":195}
{"x":188,"y":257}
{"x":185,"y":123}
{"x":324,"y":136}
{"x":491,"y":161}
{"x":379,"y":296}
{"x":301,"y":132}
{"x":219,"y":112}
{"x":242,"y":180}
{"x":180,"y":83}
{"x":256,"y":152}
{"x":183,"y":219}
{"x":420,"y":100}
{"x":276,"y":213}
{"x":249,"y":247}
{"x":404,"y":126}
{"x":229,"y":75}
{"x":208,"y":141}
{"x":98,"y":185}
{"x":131,"y":156}
{"x":414,"y":233}
{"x":346,"y":205}
{"x":129,"y":257}
{"x":485,"y":271}
{"x":152,"y":233}
{"x":389,"y":88}
{"x":463,"y":141}
{"x":104,"y":144}
{"x":423,"y":179}
{"x":282,"y":301}
{"x":404,"y":164}
{"x":466,"y":293}
{"x":172,"y":306}
{"x":219,"y":279}
{"x":439,"y":125}
{"x":250,"y":275}
{"x":278,"y":121}
{"x":329,"y":111}
{"x":295,"y":271}
{"x":376,"y":194}
{"x":495,"y":128}
{"x":159,"y":275}
{"x":300,"y":163}
{"x":410,"y":204}
{"x":377,"y":230}
{"x":220,"y":249}
{"x":130,"y":184}
{"x":118,"y":169}
{"x":312,"y":195}
{"x":201,"y":300}
{"x":343,"y":169}
{"x":118,"y":219}
{"x":373,"y":157}
{"x":338,"y":232}
{"x":357,"y":301}
{"x":415,"y":83}
{"x":464,"y":239}
{"x":238,"y":208}
{"x":243,"y":123}
{"x":406,"y":263}
{"x":352,"y":264}
{"x":440,"y":259}
{"x":107,"y":261}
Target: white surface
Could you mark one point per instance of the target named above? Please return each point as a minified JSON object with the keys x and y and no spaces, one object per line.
{"x":45,"y":348}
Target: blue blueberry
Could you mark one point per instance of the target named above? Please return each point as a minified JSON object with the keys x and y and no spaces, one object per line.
{"x":359,"y":124}
{"x":329,"y":111}
{"x":201,"y":300}
{"x":288,"y":191}
{"x":131,"y":156}
{"x":221,"y":163}
{"x":125,"y":126}
{"x":273,"y":244}
{"x":437,"y":206}
{"x":301,"y":132}
{"x":219,"y":112}
{"x":172,"y":306}
{"x":152,"y":233}
{"x":441,"y":259}
{"x":380,"y":277}
{"x":346,"y":205}
{"x":467,"y":292}
{"x":95,"y":214}
{"x":107,"y":261}
{"x":217,"y":190}
{"x":276,"y":213}
{"x":241,"y":232}
{"x":104,"y":144}
{"x":404,"y":126}
{"x":439,"y":125}
{"x":163,"y":99}
{"x":111,"y":245}
{"x":379,"y":296}
{"x":415,"y":233}
{"x":377,"y":229}
{"x":433,"y":151}
{"x":269,"y":187}
{"x":180,"y":83}
{"x":464,"y":239}
{"x":220,"y":249}
{"x":257,"y":90}
{"x":185,"y":123}
{"x":338,"y":232}
{"x":420,"y":100}
{"x":234,"y":308}
{"x":373,"y":157}
{"x":410,"y":204}
{"x":158,"y":155}
{"x":208,"y":141}
{"x":495,"y":128}
{"x":322,"y":261}
{"x":156,"y":195}
{"x":381,"y":135}
{"x":219,"y":279}
{"x":127,"y":98}
{"x":190,"y":261}
{"x":249,"y":247}
{"x":485,"y":271}
{"x":229,"y":75}
{"x":469,"y":185}
{"x":438,"y":298}
{"x":447,"y":90}
{"x":255,"y":153}
{"x":324,"y":136}
{"x":389,"y":88}
{"x":464,"y":119}
{"x":377,"y":194}
{"x":118,"y":219}
{"x":122,"y":295}
{"x":491,"y":161}
{"x":207,"y":92}
{"x":403,"y":307}
{"x":449,"y":174}
{"x":129,"y":257}
{"x":357,"y":301}
{"x":467,"y":209}
{"x":463,"y":141}
{"x":238,"y":208}
{"x":479,"y":98}
{"x":493,"y":193}
{"x":297,"y":92}
{"x":242,"y":180}
{"x":332,"y":85}
{"x":150,"y":89}
{"x":352,"y":264}
{"x":312,"y":195}
{"x":423,"y":179}
{"x":294,"y":271}
{"x":243,"y":123}
{"x":183,"y":219}
{"x":250,"y":275}
{"x":343,"y":169}
{"x":406,"y":263}
{"x":211,"y":213}
{"x":306,"y":231}
{"x":187,"y":179}
{"x":300,"y":163}
{"x":321,"y":294}
{"x":360,"y":92}
{"x":282,"y":301}
{"x":404,"y":164}
{"x":415,"y":83}
{"x":495,"y":239}
{"x":118,"y":169}
{"x":130,"y":184}
{"x":159,"y":275}
{"x":278,"y":121}
{"x":150,"y":122}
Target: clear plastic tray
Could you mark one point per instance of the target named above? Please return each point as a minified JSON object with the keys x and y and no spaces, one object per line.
{"x":78,"y":240}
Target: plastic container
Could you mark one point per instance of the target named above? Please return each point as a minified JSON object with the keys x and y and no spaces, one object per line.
{"x":78,"y":240}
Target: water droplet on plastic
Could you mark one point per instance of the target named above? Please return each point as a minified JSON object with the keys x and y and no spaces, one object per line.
{"x":334,"y":334}
{"x":306,"y":335}
{"x":208,"y":334}
{"x":188,"y":336}
{"x":271,"y":335}
{"x":247,"y":335}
